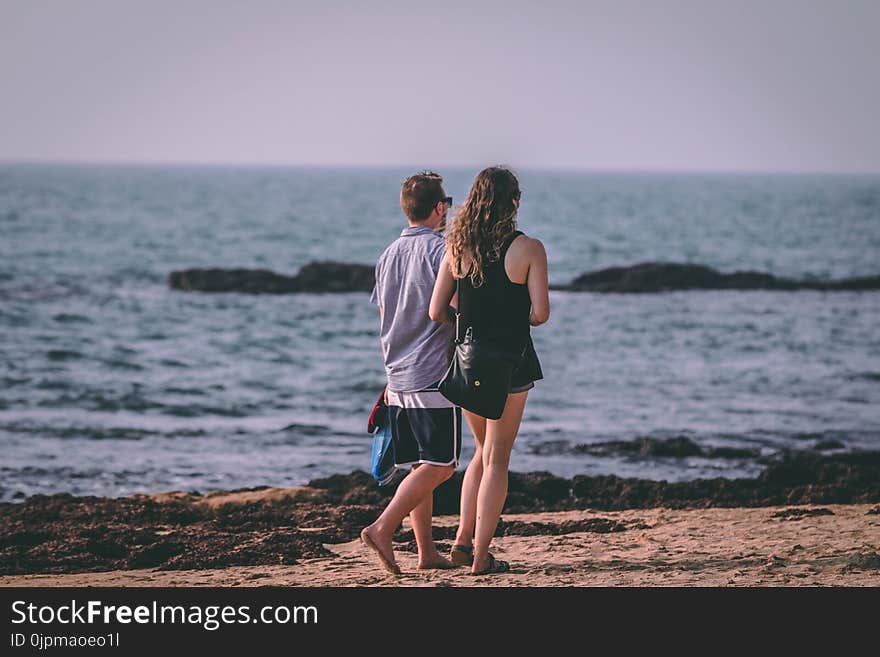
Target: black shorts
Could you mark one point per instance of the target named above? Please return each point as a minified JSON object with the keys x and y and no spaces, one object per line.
{"x":425,"y":428}
{"x":521,"y":387}
{"x":524,"y":376}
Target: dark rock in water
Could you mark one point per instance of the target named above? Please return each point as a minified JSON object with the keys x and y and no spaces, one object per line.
{"x":314,"y":277}
{"x":677,"y":447}
{"x":335,"y":277}
{"x":308,"y":429}
{"x":807,"y":436}
{"x":553,"y":447}
{"x":858,"y":283}
{"x":329,"y":276}
{"x":663,"y":276}
{"x":731,"y":453}
{"x":252,"y":281}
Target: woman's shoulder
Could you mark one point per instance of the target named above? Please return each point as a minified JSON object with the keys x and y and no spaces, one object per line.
{"x":525,"y":245}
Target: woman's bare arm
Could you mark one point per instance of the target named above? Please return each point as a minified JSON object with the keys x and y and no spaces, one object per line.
{"x":444,"y":290}
{"x":538,"y":284}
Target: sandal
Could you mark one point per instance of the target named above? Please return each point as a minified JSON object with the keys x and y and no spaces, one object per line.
{"x":463,"y":555}
{"x":495,"y":566}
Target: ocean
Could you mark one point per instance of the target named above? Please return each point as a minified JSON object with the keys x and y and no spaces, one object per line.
{"x":112,"y":383}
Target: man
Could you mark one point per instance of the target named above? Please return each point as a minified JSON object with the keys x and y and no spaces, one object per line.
{"x":426,"y":427}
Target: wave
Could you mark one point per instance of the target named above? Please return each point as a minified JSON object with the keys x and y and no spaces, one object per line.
{"x":97,"y":432}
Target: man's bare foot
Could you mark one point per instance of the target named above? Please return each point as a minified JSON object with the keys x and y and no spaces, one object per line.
{"x":382,"y":548}
{"x":436,"y":562}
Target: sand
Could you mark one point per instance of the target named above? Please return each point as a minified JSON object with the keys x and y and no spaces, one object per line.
{"x":827,"y":545}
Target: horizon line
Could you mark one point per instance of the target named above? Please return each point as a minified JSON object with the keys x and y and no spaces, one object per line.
{"x":387,"y":166}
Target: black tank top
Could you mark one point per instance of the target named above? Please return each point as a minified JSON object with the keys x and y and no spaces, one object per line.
{"x":498,"y":309}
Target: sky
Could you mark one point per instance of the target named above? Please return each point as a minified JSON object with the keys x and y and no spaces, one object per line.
{"x":644,"y":85}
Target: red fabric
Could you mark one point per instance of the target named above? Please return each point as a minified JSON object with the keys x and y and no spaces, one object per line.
{"x":380,"y":404}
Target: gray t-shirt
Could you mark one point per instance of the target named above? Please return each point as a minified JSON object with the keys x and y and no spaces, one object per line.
{"x":417,"y":349}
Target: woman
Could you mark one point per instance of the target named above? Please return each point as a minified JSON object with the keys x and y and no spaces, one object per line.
{"x":502,"y":277}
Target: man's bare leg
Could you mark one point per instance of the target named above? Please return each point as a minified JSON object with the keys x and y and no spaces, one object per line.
{"x":422,"y":523}
{"x":411,"y":492}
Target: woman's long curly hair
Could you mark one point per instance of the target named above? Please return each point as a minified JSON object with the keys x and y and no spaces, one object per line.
{"x":484,"y":221}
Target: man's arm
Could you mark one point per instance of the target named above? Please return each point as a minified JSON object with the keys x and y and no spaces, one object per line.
{"x":376,"y":298}
{"x":382,"y":344}
{"x":381,"y":321}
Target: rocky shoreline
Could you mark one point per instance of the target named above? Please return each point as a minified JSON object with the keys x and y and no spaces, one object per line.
{"x":271,"y":526}
{"x":325,"y":276}
{"x":667,"y":276}
{"x":328,"y":276}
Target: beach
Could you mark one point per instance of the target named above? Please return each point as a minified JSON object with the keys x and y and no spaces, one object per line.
{"x":805,"y":521}
{"x":833,"y":545}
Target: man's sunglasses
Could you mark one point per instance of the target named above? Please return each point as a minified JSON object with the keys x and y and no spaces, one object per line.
{"x":448,"y":201}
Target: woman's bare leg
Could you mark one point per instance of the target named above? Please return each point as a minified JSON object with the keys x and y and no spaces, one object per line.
{"x":470,"y":483}
{"x":500,"y":435}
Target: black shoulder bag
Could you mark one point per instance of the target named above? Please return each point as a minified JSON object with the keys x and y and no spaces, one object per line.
{"x":478,"y":378}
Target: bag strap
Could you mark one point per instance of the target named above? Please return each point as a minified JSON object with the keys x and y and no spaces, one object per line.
{"x":458,"y":311}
